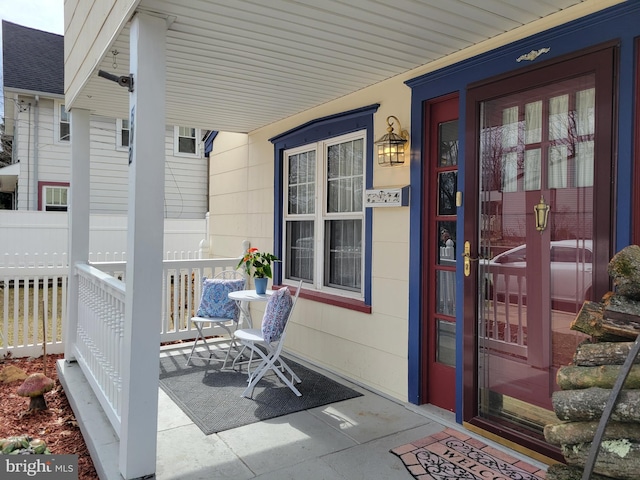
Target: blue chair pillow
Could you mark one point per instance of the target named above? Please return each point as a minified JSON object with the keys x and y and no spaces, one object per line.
{"x":215,"y":302}
{"x":275,"y":315}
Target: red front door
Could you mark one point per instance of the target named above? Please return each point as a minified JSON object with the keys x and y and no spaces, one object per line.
{"x":441,"y":251}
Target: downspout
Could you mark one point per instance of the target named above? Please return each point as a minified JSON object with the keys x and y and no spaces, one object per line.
{"x":29,"y":158}
{"x":36,"y":116}
{"x":14,"y":149}
{"x":16,"y":122}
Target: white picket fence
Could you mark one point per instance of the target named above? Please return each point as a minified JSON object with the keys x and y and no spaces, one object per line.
{"x":33,"y":301}
{"x":34,"y":271}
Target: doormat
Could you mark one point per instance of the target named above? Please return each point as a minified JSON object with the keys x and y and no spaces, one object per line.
{"x":450,"y":454}
{"x":211,"y":397}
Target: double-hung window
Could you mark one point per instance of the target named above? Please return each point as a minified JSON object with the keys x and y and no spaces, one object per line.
{"x":323,"y":213}
{"x":122,"y":133}
{"x":186,"y":142}
{"x":62,"y":125}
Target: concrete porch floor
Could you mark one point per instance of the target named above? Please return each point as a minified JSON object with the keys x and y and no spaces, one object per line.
{"x":345,"y":440}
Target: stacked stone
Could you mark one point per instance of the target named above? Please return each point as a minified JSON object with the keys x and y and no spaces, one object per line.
{"x":613,"y":324}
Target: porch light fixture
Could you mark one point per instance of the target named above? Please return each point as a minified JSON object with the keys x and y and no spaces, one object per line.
{"x":391,"y":146}
{"x":542,"y":215}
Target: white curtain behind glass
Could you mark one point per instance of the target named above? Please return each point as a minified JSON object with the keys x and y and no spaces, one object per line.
{"x":532,"y":135}
{"x":558,"y":130}
{"x":510,"y":142}
{"x":585,"y":127}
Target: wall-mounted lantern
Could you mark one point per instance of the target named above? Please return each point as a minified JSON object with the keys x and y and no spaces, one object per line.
{"x":392,"y":146}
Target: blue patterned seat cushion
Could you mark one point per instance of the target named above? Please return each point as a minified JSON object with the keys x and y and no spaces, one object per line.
{"x":215,"y":302}
{"x":275,"y":315}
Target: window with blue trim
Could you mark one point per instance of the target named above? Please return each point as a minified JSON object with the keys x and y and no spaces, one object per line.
{"x":324,"y":214}
{"x":323,"y":231}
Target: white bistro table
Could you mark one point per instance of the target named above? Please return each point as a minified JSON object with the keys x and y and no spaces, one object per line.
{"x":243,"y":297}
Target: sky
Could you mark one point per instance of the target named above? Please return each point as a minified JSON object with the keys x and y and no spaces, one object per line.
{"x":46,"y":15}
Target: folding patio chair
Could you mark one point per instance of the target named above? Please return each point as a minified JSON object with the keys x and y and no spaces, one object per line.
{"x":267,"y":342}
{"x":216,"y":308}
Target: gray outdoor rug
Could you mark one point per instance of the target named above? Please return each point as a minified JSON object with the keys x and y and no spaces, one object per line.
{"x":211,"y":398}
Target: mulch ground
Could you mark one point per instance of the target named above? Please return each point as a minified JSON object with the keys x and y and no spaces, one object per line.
{"x":57,"y":425}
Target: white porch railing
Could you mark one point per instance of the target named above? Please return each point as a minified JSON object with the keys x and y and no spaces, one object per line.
{"x":505,"y":326}
{"x":101,"y":310}
{"x":101,"y":302}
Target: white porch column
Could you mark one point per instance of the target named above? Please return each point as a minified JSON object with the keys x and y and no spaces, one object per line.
{"x":79,"y":213}
{"x":141,"y":348}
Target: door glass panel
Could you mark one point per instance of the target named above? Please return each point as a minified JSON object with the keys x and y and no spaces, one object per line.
{"x":532,"y":169}
{"x":446,"y":242}
{"x":446,"y":291}
{"x":446,"y":349}
{"x":448,"y":144}
{"x":447,"y":187}
{"x":535,"y":146}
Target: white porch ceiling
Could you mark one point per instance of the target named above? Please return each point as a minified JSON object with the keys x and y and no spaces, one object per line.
{"x":237,"y":65}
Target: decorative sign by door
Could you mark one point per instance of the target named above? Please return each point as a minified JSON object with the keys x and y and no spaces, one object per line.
{"x":387,"y":197}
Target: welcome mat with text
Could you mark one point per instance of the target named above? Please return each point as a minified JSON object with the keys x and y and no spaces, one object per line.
{"x":450,"y":454}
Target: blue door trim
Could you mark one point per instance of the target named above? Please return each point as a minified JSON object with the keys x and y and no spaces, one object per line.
{"x":621,"y":23}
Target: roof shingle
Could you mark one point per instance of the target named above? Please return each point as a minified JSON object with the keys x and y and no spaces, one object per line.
{"x":33,"y":60}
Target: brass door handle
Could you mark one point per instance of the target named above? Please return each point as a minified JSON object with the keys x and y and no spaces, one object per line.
{"x":541,"y":211}
{"x":468,"y":259}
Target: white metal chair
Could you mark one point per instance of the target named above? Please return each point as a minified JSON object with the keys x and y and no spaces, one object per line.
{"x":216,"y":308}
{"x":267,"y":342}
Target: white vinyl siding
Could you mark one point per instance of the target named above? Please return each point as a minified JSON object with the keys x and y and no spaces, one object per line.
{"x":52,"y":158}
{"x":186,"y":180}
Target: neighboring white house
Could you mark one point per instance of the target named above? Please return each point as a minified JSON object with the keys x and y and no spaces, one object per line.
{"x":35,"y":116}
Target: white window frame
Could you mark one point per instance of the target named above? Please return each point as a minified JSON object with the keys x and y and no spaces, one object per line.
{"x":119,"y":130}
{"x":57,"y":120}
{"x":321,"y":216}
{"x":176,"y":142}
{"x":60,"y":188}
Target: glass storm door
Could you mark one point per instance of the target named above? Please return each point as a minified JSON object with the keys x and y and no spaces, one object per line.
{"x":536,"y":228}
{"x":440,"y":292}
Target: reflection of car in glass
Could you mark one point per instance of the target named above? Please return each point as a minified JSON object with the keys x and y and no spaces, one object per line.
{"x":570,"y":275}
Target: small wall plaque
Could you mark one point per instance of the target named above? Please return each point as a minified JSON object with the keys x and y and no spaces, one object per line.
{"x":387,"y":197}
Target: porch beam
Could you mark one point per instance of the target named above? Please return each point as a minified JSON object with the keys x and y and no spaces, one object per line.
{"x":141,"y":342}
{"x":79,"y":219}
